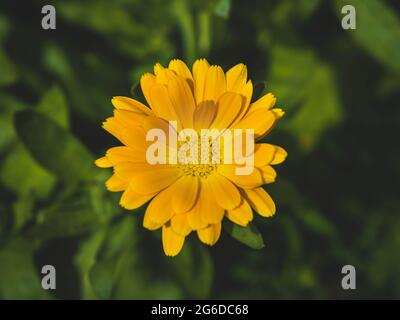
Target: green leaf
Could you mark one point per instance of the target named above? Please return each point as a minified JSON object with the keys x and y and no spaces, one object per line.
{"x":19,"y":277}
{"x":22,"y":210}
{"x":378,"y":30}
{"x":102,"y":278}
{"x":321,"y":108}
{"x":54,"y":105}
{"x":8,"y":74}
{"x":119,"y":238}
{"x":288,"y":12}
{"x":318,"y":223}
{"x":291,"y":71}
{"x":223,"y":8}
{"x":38,"y":182}
{"x":306,"y":89}
{"x":305,"y":8}
{"x":57,"y":62}
{"x":85,"y":259}
{"x":63,"y":221}
{"x":4,"y":27}
{"x":14,"y":175}
{"x":194,"y":270}
{"x":8,"y":106}
{"x":249,"y":235}
{"x":53,"y":147}
{"x":185,"y":21}
{"x":120,"y":235}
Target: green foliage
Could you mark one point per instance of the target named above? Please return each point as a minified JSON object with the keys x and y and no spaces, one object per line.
{"x":65,"y":222}
{"x":336,"y":195}
{"x":8,"y":73}
{"x":53,"y":105}
{"x":194,"y":270}
{"x":300,"y":79}
{"x":19,"y":277}
{"x":13,"y":174}
{"x":378,"y":30}
{"x":222,"y":8}
{"x":249,"y":235}
{"x":9,"y":105}
{"x":42,"y":136}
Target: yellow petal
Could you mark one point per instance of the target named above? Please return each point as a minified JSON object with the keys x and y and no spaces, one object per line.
{"x":260,"y":201}
{"x":182,"y":100}
{"x":154,"y":180}
{"x":226,"y":194}
{"x":182,"y":70}
{"x":128,"y":170}
{"x":279,"y":113}
{"x":147,"y":81}
{"x":129,"y":104}
{"x":172,"y":242}
{"x":236,"y":78}
{"x":160,"y":210}
{"x":260,"y":120}
{"x":158,"y":68}
{"x":157,"y":123}
{"x":241,"y":215}
{"x":186,"y":191}
{"x":134,"y":137}
{"x":236,"y":81}
{"x":115,"y":184}
{"x":247,"y":93}
{"x":129,"y":118}
{"x":228,"y":108}
{"x":194,"y":217}
{"x":150,"y":224}
{"x":131,"y":200}
{"x":124,"y":154}
{"x":206,"y":210}
{"x":200,"y":68}
{"x":210,"y":211}
{"x":280,"y":155}
{"x":103,"y":162}
{"x":163,"y":75}
{"x":266,"y":102}
{"x":268,"y":174}
{"x":252,"y":180}
{"x":162,"y":104}
{"x":114,"y":127}
{"x":263,"y":154}
{"x":204,"y":115}
{"x":210,"y":234}
{"x":180,"y":225}
{"x":215,"y":83}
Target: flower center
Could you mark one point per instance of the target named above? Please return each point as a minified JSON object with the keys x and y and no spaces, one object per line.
{"x":198,"y":159}
{"x":198,"y":170}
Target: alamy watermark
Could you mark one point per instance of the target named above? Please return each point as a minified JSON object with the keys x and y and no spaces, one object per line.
{"x":349,"y":20}
{"x":207,"y":147}
{"x":49,"y":280}
{"x":349,"y":280}
{"x":49,"y":20}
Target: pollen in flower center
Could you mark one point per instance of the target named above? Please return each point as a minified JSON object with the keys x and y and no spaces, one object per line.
{"x":199,"y":167}
{"x":198,"y":170}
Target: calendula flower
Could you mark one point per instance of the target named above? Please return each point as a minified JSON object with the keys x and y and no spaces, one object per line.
{"x":185,"y":197}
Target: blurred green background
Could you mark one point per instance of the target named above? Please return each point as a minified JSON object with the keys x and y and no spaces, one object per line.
{"x":337,"y":194}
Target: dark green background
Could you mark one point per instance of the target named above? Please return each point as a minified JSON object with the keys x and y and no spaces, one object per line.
{"x":337,"y":194}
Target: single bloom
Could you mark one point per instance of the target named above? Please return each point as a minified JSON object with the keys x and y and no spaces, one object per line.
{"x":192,"y":197}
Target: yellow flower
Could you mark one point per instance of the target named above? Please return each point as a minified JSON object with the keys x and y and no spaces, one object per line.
{"x":192,"y":197}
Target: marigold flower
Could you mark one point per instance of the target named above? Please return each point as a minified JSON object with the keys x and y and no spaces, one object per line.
{"x":192,"y":197}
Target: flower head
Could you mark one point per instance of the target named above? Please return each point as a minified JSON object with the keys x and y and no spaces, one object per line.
{"x":192,"y":195}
